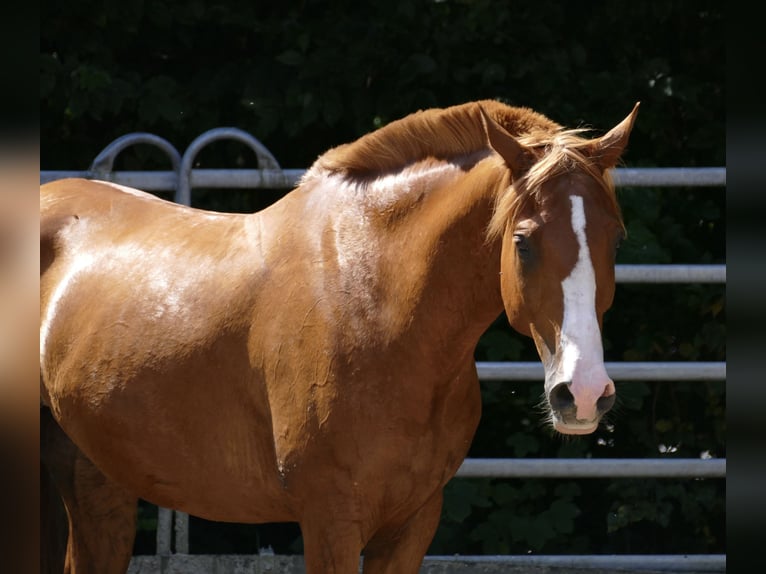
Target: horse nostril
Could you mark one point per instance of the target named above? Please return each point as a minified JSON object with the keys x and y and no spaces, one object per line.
{"x":560,"y":397}
{"x":606,"y":403}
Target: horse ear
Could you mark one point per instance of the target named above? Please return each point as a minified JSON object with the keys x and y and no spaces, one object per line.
{"x":607,"y":149}
{"x":518,"y":157}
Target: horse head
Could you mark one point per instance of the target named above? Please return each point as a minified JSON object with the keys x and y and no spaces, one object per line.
{"x":559,"y":226}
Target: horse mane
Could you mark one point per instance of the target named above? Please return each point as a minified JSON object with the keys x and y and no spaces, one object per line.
{"x":433,"y":133}
{"x":448,"y":133}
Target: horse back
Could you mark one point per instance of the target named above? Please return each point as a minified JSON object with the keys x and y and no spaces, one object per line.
{"x":132,"y":272}
{"x":64,"y":202}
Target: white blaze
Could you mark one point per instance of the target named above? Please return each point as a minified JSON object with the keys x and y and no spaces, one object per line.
{"x":582,"y":354}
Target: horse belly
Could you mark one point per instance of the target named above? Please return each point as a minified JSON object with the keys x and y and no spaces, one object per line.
{"x":205,"y":455}
{"x":185,"y":426}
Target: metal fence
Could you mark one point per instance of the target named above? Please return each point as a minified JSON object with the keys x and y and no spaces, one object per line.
{"x":181,"y":178}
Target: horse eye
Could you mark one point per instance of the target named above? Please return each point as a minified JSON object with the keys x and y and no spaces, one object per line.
{"x":522,"y":245}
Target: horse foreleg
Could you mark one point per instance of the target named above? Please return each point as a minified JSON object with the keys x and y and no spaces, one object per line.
{"x":402,"y":551}
{"x":101,"y":515}
{"x":330,"y":547}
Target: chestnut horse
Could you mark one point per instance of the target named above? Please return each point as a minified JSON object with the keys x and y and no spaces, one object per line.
{"x":314,"y":362}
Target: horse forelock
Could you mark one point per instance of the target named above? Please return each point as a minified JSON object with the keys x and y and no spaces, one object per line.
{"x":559,"y":153}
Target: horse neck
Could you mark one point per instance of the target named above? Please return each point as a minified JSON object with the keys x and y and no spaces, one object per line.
{"x":438,"y":256}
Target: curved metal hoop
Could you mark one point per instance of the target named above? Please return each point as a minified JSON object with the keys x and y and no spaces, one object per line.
{"x":265,"y":159}
{"x":103,"y":164}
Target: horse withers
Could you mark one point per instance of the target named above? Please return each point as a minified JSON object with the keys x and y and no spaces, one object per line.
{"x":314,"y":362}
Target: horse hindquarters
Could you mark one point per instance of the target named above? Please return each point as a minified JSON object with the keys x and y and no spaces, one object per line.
{"x":101,"y":515}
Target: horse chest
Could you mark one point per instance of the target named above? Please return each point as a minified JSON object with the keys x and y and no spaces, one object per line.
{"x":419,"y":425}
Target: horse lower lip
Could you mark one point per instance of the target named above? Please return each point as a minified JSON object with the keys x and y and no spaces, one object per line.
{"x":578,"y":429}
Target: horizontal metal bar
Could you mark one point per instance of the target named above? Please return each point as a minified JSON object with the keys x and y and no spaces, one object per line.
{"x":626,"y":371}
{"x":453,"y":564}
{"x":288,"y":178}
{"x":207,"y":178}
{"x":670,"y":176}
{"x":52,"y":175}
{"x":247,"y":178}
{"x":628,"y":562}
{"x":144,"y":180}
{"x":670,"y":273}
{"x":592,"y":468}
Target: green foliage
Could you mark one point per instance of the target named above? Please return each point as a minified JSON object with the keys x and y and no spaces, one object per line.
{"x":506,"y":517}
{"x":303,"y":77}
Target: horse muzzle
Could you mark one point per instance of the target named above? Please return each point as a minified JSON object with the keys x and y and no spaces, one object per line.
{"x":577,"y":410}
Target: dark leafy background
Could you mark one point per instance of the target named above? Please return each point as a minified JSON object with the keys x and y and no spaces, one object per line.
{"x":305,"y":76}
